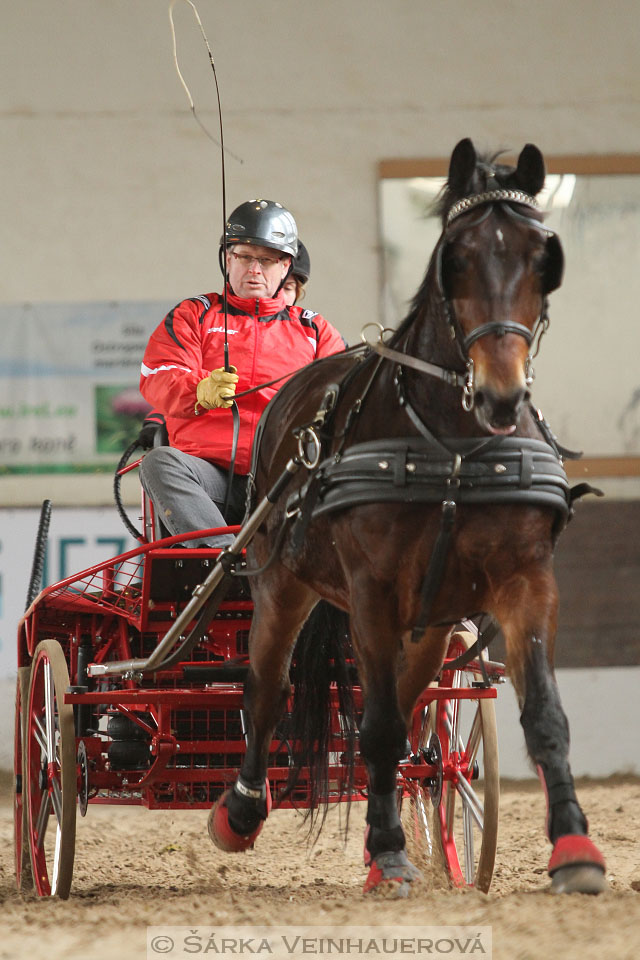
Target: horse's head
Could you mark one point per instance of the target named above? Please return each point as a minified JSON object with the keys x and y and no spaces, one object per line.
{"x":496,"y":263}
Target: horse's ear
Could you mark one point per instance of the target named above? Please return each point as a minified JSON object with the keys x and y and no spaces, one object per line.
{"x":554,"y":266}
{"x":462,"y":167}
{"x":530,"y":172}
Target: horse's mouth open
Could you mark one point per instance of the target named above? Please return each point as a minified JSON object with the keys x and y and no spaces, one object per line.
{"x":498,"y":426}
{"x":501,"y":431}
{"x":497,"y":416}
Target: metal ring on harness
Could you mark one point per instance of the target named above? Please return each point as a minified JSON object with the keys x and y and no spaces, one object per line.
{"x":381,"y":331}
{"x":309,"y":447}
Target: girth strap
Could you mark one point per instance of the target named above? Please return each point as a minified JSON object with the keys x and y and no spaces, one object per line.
{"x":435,"y":570}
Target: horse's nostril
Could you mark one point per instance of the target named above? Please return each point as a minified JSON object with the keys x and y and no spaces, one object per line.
{"x":526,"y":396}
{"x":479,"y":398}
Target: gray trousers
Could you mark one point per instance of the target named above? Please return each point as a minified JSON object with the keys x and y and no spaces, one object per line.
{"x":188,"y":494}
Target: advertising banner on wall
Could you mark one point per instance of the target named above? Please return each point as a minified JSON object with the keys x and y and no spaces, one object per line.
{"x":69,"y":398}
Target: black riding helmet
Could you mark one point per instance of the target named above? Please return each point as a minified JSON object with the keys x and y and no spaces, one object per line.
{"x":302,"y":264}
{"x":264,"y":223}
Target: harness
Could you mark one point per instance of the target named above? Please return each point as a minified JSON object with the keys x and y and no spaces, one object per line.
{"x":449,"y":471}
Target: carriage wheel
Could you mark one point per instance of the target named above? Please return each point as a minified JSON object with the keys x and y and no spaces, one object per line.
{"x":24,"y":878}
{"x":467,"y":812}
{"x":459,"y":738}
{"x":49,"y":779}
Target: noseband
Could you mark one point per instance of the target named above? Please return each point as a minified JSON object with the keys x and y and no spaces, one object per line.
{"x":495,"y":327}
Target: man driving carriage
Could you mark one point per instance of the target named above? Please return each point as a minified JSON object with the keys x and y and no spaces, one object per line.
{"x":183,"y":372}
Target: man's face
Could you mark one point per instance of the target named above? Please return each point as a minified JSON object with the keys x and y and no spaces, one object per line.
{"x":256,"y":272}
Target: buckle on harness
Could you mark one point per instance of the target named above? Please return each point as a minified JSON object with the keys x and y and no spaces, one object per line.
{"x":453,"y":480}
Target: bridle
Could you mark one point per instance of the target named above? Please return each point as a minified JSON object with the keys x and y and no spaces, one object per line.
{"x":497,"y":328}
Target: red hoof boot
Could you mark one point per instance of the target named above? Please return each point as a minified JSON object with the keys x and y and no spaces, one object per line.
{"x":576,"y":866}
{"x":391,"y":874}
{"x":222,"y":833}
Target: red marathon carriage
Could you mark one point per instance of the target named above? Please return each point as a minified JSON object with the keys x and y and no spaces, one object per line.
{"x":130,"y":691}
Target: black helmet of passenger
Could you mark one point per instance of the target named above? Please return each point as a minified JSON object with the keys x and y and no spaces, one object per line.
{"x":264,"y":223}
{"x":302,"y":263}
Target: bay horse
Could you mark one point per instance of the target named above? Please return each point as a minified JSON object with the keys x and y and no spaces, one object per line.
{"x":424,"y":441}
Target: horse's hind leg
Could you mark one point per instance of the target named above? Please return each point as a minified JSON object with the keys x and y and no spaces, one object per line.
{"x":383,"y":737}
{"x":280,"y":608}
{"x":528,"y":619}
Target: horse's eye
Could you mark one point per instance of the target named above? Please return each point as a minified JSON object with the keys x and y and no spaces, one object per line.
{"x":455,"y":263}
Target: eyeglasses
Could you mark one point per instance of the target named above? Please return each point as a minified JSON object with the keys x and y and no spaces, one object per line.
{"x":246,"y":261}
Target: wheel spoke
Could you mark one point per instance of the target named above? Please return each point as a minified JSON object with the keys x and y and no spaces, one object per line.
{"x":49,"y":711}
{"x":474,"y":739}
{"x":455,"y":713}
{"x":469,"y":859}
{"x":56,"y":799}
{"x":40,"y":735}
{"x":420,"y":810}
{"x":450,"y":810}
{"x":471,"y":800}
{"x":447,"y":719}
{"x":42,"y":820}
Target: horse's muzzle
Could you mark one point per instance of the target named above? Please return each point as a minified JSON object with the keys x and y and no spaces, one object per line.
{"x":499,"y":414}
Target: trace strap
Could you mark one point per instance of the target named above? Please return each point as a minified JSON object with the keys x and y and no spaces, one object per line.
{"x":435,"y":570}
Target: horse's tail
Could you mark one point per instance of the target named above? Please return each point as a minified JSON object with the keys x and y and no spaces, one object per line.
{"x":322,"y":675}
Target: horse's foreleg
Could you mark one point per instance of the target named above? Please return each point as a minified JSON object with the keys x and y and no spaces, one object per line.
{"x":237,"y":817}
{"x":528,"y":618}
{"x":383,"y":737}
{"x":421,"y":663}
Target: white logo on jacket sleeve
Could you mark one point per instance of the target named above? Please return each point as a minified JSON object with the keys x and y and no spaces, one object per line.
{"x":148,"y":371}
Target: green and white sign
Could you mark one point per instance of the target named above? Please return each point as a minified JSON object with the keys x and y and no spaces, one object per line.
{"x":69,"y":398}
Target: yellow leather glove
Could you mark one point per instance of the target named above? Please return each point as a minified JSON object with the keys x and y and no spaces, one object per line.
{"x":217,"y":389}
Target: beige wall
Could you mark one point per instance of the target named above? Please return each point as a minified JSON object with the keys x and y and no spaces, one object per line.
{"x":111,"y":191}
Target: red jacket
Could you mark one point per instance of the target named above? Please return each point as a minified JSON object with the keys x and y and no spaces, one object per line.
{"x":266,"y":339}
